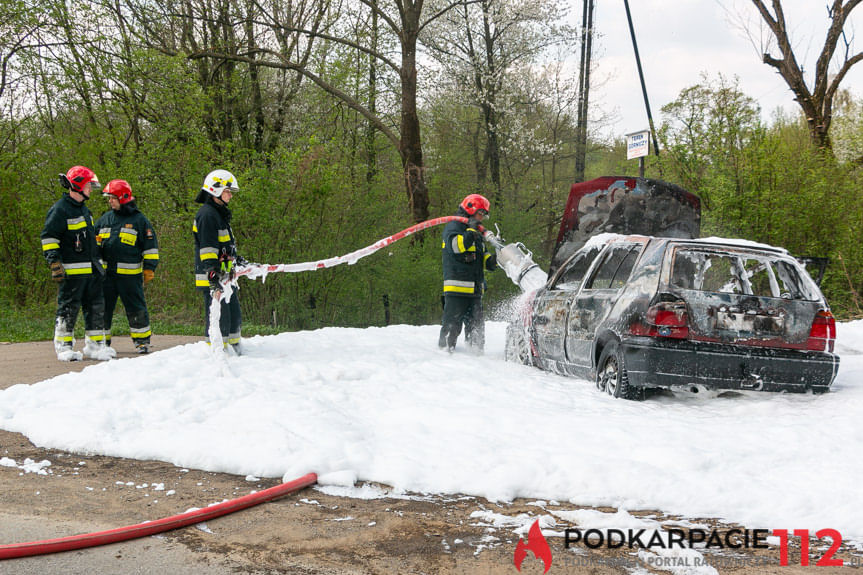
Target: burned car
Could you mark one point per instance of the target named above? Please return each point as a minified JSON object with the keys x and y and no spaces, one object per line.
{"x":636,"y":312}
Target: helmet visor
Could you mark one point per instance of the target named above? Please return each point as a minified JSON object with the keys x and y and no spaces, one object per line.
{"x":220,"y":186}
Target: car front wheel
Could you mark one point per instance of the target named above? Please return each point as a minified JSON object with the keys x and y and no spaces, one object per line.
{"x":517,"y":346}
{"x":611,"y":374}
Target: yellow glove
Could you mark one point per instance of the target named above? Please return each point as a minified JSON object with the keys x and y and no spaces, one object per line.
{"x":149,"y":275}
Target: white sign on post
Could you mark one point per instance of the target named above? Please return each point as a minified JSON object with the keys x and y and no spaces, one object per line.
{"x":637,"y":144}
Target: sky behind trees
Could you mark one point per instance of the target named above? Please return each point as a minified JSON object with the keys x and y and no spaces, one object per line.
{"x":680,"y":39}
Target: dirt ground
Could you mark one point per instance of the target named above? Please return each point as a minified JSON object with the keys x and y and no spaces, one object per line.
{"x":309,"y":532}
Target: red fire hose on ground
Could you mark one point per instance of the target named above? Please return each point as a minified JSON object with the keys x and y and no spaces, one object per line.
{"x":14,"y":550}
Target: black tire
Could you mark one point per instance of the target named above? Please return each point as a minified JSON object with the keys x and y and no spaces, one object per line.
{"x":611,"y":374}
{"x":517,"y":348}
{"x":819,"y":389}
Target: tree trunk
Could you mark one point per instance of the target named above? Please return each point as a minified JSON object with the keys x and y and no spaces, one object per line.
{"x":410,"y":144}
{"x":490,"y":110}
{"x":371,"y":151}
{"x":257,"y":111}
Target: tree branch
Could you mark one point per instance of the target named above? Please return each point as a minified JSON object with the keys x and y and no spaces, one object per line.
{"x":344,"y":42}
{"x":445,"y":10}
{"x":382,"y":15}
{"x":834,"y":85}
{"x":326,"y":86}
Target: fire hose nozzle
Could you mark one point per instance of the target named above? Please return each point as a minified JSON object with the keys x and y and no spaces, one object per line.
{"x":493,"y":238}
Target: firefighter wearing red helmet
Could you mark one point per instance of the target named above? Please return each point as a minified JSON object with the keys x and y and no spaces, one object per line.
{"x":69,"y":247}
{"x":465,"y":260}
{"x":130,"y":253}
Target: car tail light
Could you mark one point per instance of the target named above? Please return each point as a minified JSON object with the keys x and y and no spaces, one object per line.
{"x":822,"y":335}
{"x":664,"y":319}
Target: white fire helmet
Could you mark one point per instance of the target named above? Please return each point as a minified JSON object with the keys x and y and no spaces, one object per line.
{"x":218,"y":181}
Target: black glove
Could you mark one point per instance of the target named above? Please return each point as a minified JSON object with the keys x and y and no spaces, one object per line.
{"x":58,"y":274}
{"x":215,"y":279}
{"x":241,"y":261}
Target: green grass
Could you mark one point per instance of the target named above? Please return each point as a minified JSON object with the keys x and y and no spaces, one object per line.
{"x":25,"y":325}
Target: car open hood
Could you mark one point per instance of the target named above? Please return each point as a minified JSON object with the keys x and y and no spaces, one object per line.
{"x":625,"y":205}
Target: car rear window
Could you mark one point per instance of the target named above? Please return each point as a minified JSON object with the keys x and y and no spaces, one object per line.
{"x":758,"y":274}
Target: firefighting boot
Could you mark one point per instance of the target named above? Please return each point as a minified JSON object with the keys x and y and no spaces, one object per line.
{"x":64,"y":340}
{"x":95,"y":348}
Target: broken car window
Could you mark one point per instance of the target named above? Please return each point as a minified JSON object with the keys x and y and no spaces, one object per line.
{"x":613,"y":260}
{"x":748,"y":274}
{"x":571,"y":277}
{"x":625,"y":269}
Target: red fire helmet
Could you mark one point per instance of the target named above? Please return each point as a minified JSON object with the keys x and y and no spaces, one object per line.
{"x":79,"y":176}
{"x":120,"y":189}
{"x":474,"y":202}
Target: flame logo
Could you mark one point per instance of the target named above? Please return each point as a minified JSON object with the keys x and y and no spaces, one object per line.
{"x":535,"y":542}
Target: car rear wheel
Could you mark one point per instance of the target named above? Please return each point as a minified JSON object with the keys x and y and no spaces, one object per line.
{"x":517,"y":348}
{"x":611,"y":374}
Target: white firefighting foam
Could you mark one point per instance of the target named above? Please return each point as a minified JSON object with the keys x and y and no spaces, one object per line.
{"x":385,"y":405}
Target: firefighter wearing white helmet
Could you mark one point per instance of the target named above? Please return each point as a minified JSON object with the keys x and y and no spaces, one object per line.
{"x":216,"y":252}
{"x":217,"y":182}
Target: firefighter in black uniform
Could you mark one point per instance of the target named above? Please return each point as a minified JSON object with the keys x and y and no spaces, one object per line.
{"x":464,"y":261}
{"x":69,"y":246}
{"x":216,"y":254}
{"x":131,"y":253}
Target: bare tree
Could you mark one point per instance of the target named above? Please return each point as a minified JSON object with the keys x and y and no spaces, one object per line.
{"x":817,"y":101}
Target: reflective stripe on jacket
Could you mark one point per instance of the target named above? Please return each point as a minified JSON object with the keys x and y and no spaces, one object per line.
{"x":68,"y":237}
{"x":214,"y":240}
{"x":464,"y":260}
{"x":127,"y":240}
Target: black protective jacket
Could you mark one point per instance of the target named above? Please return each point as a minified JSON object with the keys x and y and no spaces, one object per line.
{"x":69,"y":237}
{"x":128,"y":241}
{"x":464,"y":259}
{"x":215,"y":245}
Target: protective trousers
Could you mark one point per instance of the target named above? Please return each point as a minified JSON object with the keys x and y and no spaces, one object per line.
{"x":130,"y":290}
{"x":458,"y":310}
{"x":80,"y":292}
{"x":230,"y":318}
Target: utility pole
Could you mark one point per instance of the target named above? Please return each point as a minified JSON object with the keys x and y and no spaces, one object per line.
{"x":583,"y":89}
{"x":641,"y":77}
